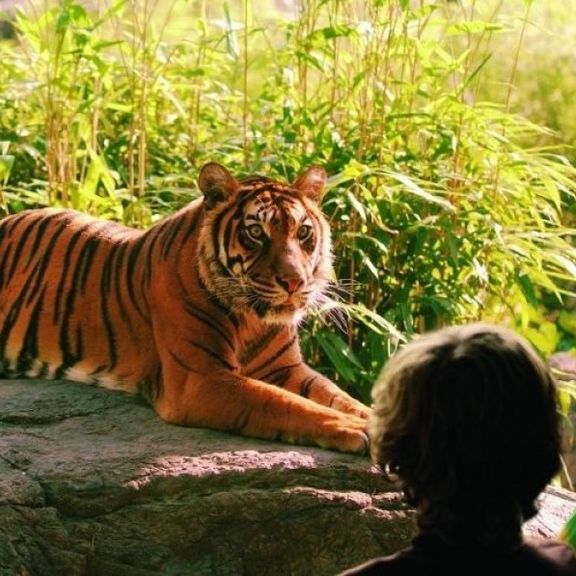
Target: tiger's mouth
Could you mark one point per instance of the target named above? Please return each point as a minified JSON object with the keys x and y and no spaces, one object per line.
{"x":285,"y":306}
{"x":296,"y":301}
{"x":269,"y":303}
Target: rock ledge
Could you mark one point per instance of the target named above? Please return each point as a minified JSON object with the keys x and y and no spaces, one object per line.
{"x":93,"y":482}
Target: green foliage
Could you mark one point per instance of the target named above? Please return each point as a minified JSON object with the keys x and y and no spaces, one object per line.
{"x":445,"y":206}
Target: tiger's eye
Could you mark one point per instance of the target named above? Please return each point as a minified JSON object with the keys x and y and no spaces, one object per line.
{"x":255,"y":232}
{"x":304,"y":232}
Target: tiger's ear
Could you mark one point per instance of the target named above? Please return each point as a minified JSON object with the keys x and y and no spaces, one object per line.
{"x":311,"y":183}
{"x":216,"y":183}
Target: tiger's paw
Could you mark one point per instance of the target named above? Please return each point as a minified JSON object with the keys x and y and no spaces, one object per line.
{"x":348,"y":435}
{"x":349,"y":405}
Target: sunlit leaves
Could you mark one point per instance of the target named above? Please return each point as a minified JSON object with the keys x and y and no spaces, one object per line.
{"x":445,"y":207}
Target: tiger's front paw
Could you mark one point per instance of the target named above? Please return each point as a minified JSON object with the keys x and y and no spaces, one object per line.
{"x":348,"y":434}
{"x":349,"y":405}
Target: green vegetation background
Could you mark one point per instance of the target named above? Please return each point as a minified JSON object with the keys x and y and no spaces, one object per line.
{"x":445,"y":126}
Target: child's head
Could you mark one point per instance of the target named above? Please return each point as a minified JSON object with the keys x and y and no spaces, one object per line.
{"x":467,"y":414}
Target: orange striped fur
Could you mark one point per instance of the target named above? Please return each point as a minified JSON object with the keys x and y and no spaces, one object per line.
{"x":199,"y":313}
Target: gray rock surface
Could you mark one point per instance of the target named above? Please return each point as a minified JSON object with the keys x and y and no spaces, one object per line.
{"x":93,"y":482}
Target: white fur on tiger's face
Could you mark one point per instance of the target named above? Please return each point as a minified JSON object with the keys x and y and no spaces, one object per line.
{"x":270,"y":254}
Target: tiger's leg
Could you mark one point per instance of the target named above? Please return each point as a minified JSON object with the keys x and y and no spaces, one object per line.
{"x":278,"y":361}
{"x":253,"y":408}
{"x":306,"y":382}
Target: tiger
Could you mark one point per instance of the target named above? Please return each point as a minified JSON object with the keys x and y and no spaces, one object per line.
{"x":200,"y":313}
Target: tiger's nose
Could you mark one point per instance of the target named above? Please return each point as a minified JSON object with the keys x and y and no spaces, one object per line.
{"x":290,"y":283}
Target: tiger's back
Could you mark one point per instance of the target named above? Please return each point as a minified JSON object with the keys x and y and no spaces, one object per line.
{"x":68,"y":284}
{"x":199,"y":313}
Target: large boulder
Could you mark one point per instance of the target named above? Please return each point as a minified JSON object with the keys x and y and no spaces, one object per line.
{"x":93,"y":482}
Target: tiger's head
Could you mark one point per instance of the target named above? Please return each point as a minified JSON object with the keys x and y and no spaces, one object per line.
{"x":264,"y":246}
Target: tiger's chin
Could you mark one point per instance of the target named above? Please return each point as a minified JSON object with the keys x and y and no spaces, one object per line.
{"x":279,"y":313}
{"x":286,"y":314}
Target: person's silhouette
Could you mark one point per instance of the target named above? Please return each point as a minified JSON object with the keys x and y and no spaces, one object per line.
{"x":466,"y":418}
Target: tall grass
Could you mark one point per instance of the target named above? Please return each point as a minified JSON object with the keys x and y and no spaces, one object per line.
{"x":445,"y":206}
